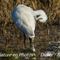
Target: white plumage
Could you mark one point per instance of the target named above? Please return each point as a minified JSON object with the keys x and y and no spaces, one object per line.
{"x":25,"y":19}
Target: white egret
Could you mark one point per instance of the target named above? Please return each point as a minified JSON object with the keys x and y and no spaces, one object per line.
{"x":25,"y":19}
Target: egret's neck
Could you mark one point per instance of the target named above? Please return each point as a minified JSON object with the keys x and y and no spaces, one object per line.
{"x":38,"y":12}
{"x":40,"y":15}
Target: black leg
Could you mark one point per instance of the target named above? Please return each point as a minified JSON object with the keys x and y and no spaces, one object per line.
{"x":32,"y":44}
{"x":24,"y":41}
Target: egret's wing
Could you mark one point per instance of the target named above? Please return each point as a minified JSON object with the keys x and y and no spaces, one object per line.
{"x":27,"y":23}
{"x":24,"y":21}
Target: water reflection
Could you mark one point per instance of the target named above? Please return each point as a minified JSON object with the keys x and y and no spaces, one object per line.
{"x":53,"y":49}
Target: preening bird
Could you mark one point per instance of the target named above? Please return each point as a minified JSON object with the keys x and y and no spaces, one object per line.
{"x":25,"y":18}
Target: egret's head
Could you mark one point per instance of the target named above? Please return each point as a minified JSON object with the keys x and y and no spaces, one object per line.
{"x":42,"y":17}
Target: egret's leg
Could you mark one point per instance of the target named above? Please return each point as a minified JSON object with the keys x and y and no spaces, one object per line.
{"x":32,"y":44}
{"x":24,"y":41}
